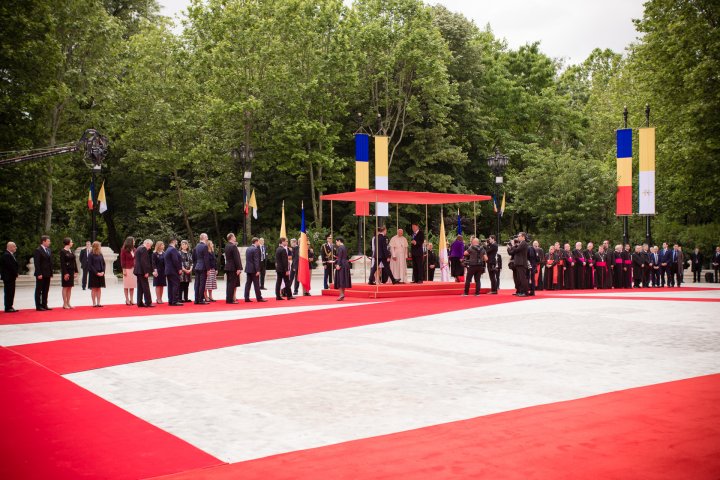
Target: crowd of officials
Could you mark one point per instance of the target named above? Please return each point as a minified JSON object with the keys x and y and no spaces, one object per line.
{"x":175,"y":266}
{"x":170,"y":268}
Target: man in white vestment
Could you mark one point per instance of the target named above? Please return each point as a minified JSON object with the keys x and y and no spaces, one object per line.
{"x":398,"y":259}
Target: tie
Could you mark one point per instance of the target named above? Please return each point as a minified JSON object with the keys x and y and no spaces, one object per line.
{"x":673,"y":255}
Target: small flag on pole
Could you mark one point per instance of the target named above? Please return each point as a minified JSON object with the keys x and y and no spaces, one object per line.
{"x":253,"y":204}
{"x":459,"y":226}
{"x":101,"y":199}
{"x":443,"y":251}
{"x":91,"y":195}
{"x":494,"y":204}
{"x":502,"y":205}
{"x":246,"y":208}
{"x":304,"y":263}
{"x":282,"y":222}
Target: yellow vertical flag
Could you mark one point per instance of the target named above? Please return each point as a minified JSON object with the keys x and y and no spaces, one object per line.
{"x":443,"y":252}
{"x":283,"y":234}
{"x":502,"y":205}
{"x":253,"y":204}
{"x":101,"y":199}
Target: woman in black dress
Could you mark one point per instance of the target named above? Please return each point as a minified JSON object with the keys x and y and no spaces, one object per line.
{"x":68,"y":271}
{"x":186,"y":275}
{"x":96,"y":270}
{"x":342,"y":267}
{"x":158,"y":265}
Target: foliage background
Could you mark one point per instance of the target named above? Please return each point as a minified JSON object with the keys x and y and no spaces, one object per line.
{"x":290,"y":76}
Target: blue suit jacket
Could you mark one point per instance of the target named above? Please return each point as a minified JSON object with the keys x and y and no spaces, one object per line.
{"x":173,"y":261}
{"x":252,"y":259}
{"x":202,"y":257}
{"x":665,"y":256}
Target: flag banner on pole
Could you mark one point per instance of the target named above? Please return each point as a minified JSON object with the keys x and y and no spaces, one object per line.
{"x":91,"y":196}
{"x":102,"y":208}
{"x":646,"y":185}
{"x":381,"y":172}
{"x":253,"y":204}
{"x":362,"y":170}
{"x":459,"y":225}
{"x":304,"y":262}
{"x":624,"y":172}
{"x":443,"y":251}
{"x":283,"y":234}
{"x":246,"y":207}
{"x":494,"y":204}
{"x":502,"y":205}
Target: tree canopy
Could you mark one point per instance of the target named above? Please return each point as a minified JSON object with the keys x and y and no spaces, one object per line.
{"x":289,"y":78}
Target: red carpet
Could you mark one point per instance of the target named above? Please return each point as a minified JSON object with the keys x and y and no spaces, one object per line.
{"x":88,"y":353}
{"x":121,"y":310}
{"x":668,"y":431}
{"x":52,"y":429}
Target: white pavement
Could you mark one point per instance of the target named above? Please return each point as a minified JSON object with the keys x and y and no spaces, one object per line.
{"x":266,"y":398}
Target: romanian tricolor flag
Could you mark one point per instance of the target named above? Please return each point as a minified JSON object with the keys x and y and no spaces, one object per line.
{"x":304,"y":263}
{"x":362,"y":170}
{"x":646,"y":185}
{"x":91,"y":195}
{"x":381,"y":172}
{"x":624,"y":172}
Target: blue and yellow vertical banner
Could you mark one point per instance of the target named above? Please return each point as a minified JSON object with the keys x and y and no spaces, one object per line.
{"x":624,"y":172}
{"x":362,"y":170}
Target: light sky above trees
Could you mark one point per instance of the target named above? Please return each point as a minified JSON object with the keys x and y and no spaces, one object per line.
{"x":567,"y":29}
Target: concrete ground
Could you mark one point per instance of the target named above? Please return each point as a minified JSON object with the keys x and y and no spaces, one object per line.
{"x":250,"y":401}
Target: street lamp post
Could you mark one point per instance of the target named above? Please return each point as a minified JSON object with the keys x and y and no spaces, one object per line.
{"x":245,"y":154}
{"x":497,"y":163}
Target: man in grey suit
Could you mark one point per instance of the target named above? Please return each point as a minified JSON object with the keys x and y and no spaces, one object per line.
{"x":202,"y":263}
{"x":252,"y":269}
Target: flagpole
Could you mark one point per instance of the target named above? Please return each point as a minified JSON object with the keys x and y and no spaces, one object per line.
{"x":475,"y":217}
{"x":427,"y":264}
{"x":93,"y":236}
{"x":332,"y":246}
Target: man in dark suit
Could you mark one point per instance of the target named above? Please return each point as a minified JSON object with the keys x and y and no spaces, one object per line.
{"x":430,"y":263}
{"x":672,"y":264}
{"x":654,"y":266}
{"x":519,"y":252}
{"x":84,"y":262}
{"x":201,"y":255}
{"x":416,"y":252}
{"x":294,"y":263}
{"x":252,"y":265}
{"x":233,"y":267}
{"x":697,"y":259}
{"x":664,"y":256}
{"x":493,"y":267}
{"x":43,"y":273}
{"x":716,"y":263}
{"x":263,"y":262}
{"x":9,"y":270}
{"x":282,"y":268}
{"x":327,"y":256}
{"x":381,"y":258}
{"x":533,"y":260}
{"x":143,"y":269}
{"x":173,"y":269}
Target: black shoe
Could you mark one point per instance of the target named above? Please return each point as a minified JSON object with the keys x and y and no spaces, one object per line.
{"x":46,"y":307}
{"x":395,"y":282}
{"x":175,"y":304}
{"x":234,"y":302}
{"x":371,"y":283}
{"x":263,"y":288}
{"x":213,"y":300}
{"x":290,"y":298}
{"x":306,"y":294}
{"x":10,"y":310}
{"x":521,"y":295}
{"x":477,"y":294}
{"x":40,"y":309}
{"x":279,"y":298}
{"x":493,"y":293}
{"x":149,"y":306}
{"x":247,"y":300}
{"x":295,"y":293}
{"x":261,"y":300}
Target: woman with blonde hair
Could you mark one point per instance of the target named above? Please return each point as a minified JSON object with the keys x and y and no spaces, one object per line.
{"x":127,"y":263}
{"x":158,"y":265}
{"x":68,"y":270}
{"x":211,"y":283}
{"x":96,"y":271}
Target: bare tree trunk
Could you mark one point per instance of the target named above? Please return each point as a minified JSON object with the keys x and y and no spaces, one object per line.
{"x":181,"y":204}
{"x":54,"y":126}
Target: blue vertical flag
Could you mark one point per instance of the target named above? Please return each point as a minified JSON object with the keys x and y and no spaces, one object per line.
{"x":459,"y":227}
